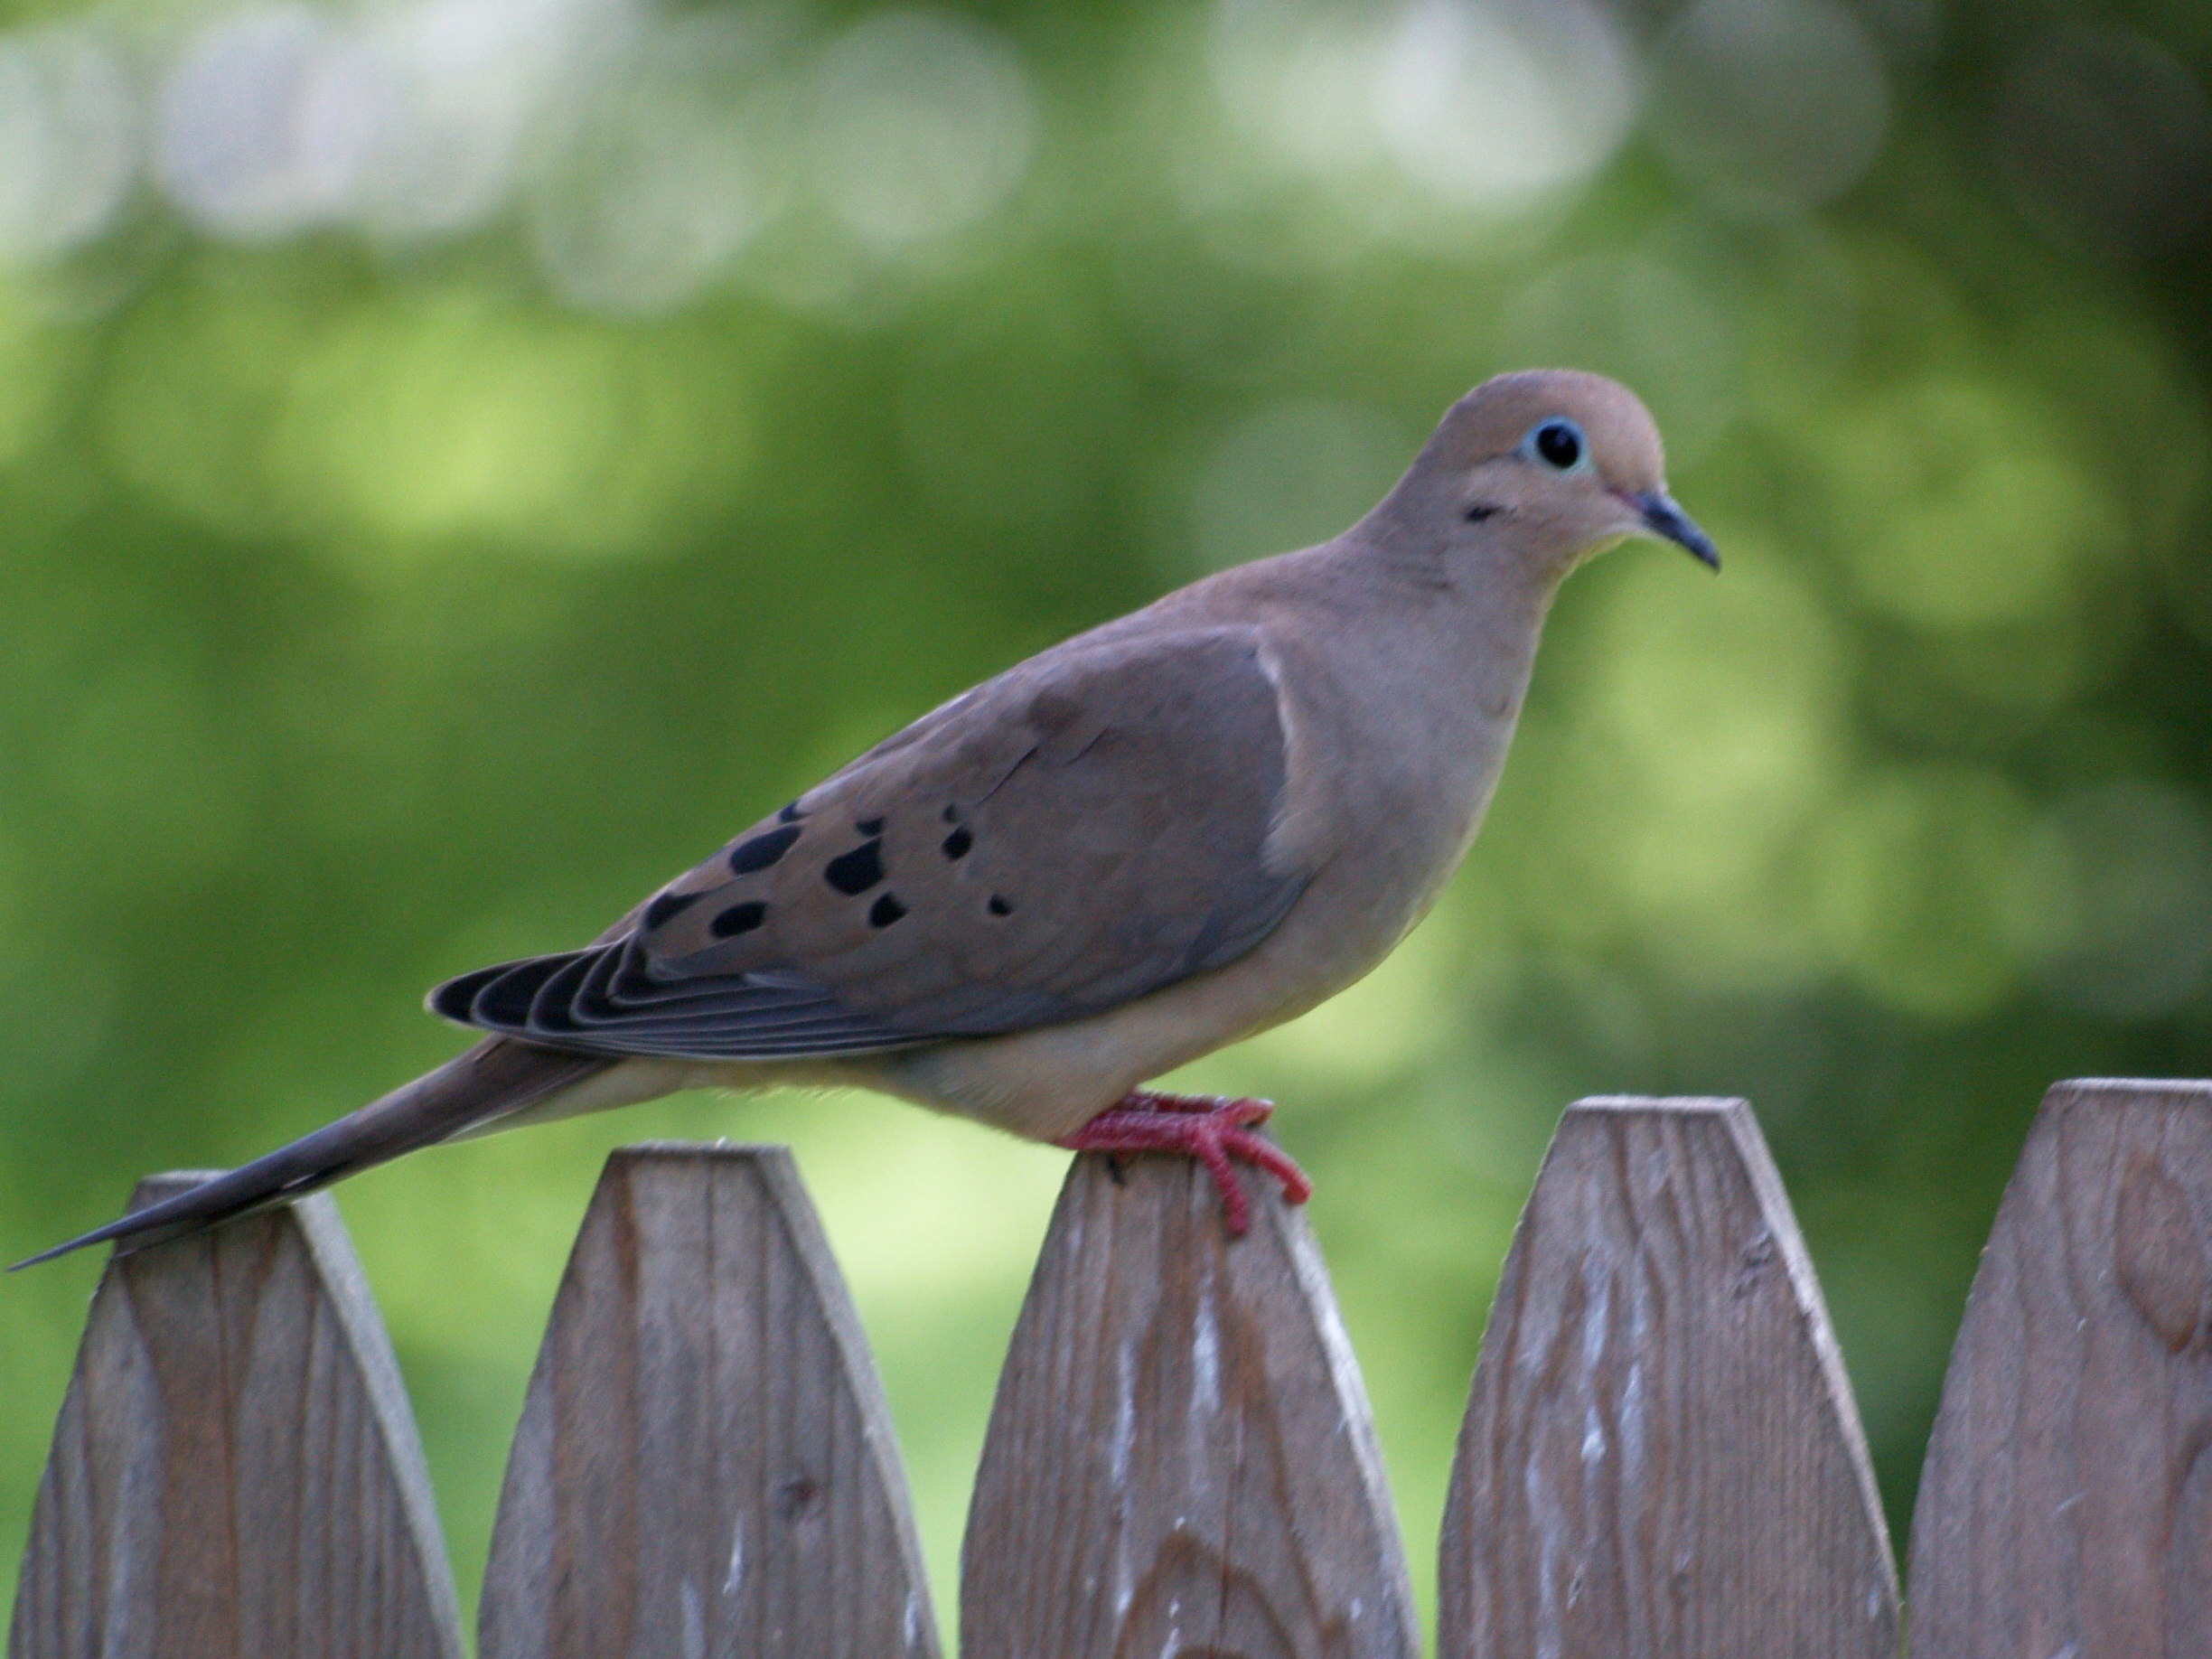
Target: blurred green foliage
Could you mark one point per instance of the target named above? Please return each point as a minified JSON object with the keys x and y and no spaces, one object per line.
{"x":413,"y":569}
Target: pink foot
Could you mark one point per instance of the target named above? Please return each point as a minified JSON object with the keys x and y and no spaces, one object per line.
{"x":1211,"y":1128}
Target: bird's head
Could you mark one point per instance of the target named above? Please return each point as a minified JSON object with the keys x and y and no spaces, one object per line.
{"x":1555,"y":464}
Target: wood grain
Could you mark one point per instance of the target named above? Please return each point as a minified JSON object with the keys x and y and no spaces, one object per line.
{"x":1180,"y":1459}
{"x":235,"y":1474}
{"x":705,"y":1464}
{"x":1661,"y":1457}
{"x":2066,"y":1507}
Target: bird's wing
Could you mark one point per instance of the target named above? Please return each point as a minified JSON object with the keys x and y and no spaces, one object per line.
{"x":1087,"y":828}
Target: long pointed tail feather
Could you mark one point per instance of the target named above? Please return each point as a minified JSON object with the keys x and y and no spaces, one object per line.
{"x":495,"y":1079}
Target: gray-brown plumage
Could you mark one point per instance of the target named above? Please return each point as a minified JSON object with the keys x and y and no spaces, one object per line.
{"x":1149,"y":841}
{"x":905,"y":898}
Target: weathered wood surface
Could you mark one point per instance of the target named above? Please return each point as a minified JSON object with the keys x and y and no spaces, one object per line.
{"x":1180,"y":1459}
{"x":1661,"y":1456}
{"x":2066,"y":1507}
{"x":705,"y":1464}
{"x":235,"y":1474}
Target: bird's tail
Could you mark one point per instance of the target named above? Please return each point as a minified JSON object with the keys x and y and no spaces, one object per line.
{"x":496,"y":1079}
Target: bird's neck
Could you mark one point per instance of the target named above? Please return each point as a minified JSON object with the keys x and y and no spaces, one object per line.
{"x":1476,"y":601}
{"x":1426,"y":663}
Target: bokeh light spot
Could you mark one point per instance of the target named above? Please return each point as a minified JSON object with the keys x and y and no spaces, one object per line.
{"x":922,"y":127}
{"x":1963,"y":505}
{"x":69,"y":140}
{"x":671,"y":169}
{"x":1769,"y":106}
{"x":459,"y":91}
{"x":264,"y":123}
{"x":455,"y":418}
{"x":1490,"y":104}
{"x":1482,"y":107}
{"x":2105,"y":136}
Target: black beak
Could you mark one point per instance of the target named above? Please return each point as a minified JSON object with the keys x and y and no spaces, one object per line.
{"x":1663,"y":518}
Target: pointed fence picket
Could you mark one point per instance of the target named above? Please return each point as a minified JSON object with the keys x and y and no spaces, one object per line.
{"x":1181,"y":1458}
{"x":235,"y":1469}
{"x":705,"y":1463}
{"x":1660,"y":1458}
{"x":1661,"y":1454}
{"x":2066,"y":1508}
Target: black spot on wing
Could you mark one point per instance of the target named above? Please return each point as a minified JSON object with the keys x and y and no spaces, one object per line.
{"x":667,"y":907}
{"x":745,"y":1000}
{"x":857,"y":871}
{"x":761,"y":851}
{"x":739,"y":919}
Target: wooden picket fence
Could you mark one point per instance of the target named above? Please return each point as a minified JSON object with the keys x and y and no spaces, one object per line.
{"x":1661,"y":1457}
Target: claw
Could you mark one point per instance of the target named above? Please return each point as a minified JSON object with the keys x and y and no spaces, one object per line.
{"x":1215,"y":1129}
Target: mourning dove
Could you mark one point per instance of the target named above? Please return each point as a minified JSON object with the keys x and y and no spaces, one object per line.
{"x":1160,"y":836}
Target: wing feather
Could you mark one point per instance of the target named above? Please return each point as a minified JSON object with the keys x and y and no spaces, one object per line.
{"x":1081,"y":832}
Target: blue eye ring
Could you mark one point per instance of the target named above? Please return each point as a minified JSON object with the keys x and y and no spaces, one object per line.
{"x":1559,"y":443}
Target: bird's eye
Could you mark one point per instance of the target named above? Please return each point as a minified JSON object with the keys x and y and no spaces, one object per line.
{"x":1558,"y":443}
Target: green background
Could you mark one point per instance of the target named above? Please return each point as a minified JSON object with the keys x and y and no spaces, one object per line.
{"x":415,"y":569}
